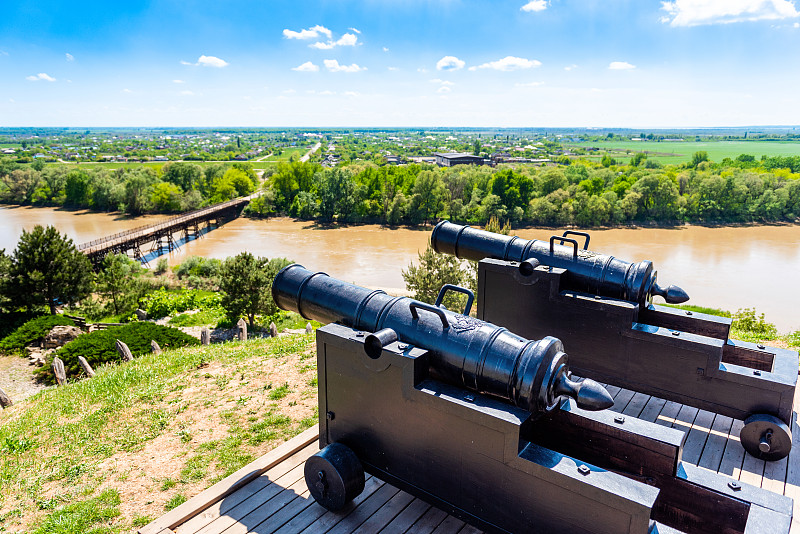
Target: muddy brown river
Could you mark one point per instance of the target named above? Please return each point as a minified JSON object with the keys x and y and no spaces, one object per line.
{"x":726,"y":267}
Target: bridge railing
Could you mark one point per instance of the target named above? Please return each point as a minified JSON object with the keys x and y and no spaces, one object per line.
{"x":172,"y":221}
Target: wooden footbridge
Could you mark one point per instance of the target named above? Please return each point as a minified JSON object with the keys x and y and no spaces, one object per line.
{"x":160,"y":235}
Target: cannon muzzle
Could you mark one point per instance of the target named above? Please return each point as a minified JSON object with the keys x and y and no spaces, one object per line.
{"x":587,"y":271}
{"x":464,"y":351}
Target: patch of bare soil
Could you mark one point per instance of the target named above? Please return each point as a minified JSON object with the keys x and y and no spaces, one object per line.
{"x":16,"y":378}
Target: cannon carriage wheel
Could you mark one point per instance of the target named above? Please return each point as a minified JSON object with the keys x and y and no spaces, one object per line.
{"x":334,"y":476}
{"x":766,"y":437}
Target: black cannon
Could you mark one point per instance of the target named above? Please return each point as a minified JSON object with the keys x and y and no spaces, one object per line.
{"x":617,"y":336}
{"x":464,"y":351}
{"x":587,"y":271}
{"x":486,"y":426}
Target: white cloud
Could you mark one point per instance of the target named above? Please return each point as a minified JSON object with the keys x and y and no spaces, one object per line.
{"x":392,"y":68}
{"x":327,"y":93}
{"x":311,"y":33}
{"x":441,"y":82}
{"x":385,"y":49}
{"x":126,"y":90}
{"x":70,"y":57}
{"x":212,"y":61}
{"x":207,"y":61}
{"x":443,"y":89}
{"x":352,"y":93}
{"x":796,"y":25}
{"x":289,"y":91}
{"x":529,"y":84}
{"x":306,"y":67}
{"x":509,"y":63}
{"x":347,"y":39}
{"x":571,"y":67}
{"x":40,"y":76}
{"x":354,"y":30}
{"x":700,"y":12}
{"x":620,"y":65}
{"x":535,"y":5}
{"x":449,"y":63}
{"x":3,"y":53}
{"x":178,"y":81}
{"x":333,"y":66}
{"x":187,"y":93}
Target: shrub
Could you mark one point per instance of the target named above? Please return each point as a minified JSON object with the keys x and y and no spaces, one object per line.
{"x":751,"y":327}
{"x":99,"y":347}
{"x":31,"y":331}
{"x":161,"y":303}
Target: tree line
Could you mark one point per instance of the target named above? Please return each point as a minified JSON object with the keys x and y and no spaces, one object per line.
{"x":582,"y":193}
{"x":174,"y":187}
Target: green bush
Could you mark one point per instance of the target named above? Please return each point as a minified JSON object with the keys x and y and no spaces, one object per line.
{"x":31,"y":331}
{"x":198,"y":266}
{"x":748,"y":326}
{"x":99,"y":347}
{"x":161,"y":302}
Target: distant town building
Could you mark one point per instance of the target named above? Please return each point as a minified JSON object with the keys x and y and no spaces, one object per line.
{"x":394,"y":160}
{"x":457,"y":158}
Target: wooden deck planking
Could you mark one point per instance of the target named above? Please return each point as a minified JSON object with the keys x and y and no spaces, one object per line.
{"x":278,"y":500}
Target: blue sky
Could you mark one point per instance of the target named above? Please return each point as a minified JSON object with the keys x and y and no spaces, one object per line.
{"x":437,"y":63}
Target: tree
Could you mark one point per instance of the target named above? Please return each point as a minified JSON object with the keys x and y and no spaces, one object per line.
{"x":117,"y":282}
{"x":434,"y":271}
{"x":246,"y":285}
{"x":699,"y":157}
{"x":48,"y":270}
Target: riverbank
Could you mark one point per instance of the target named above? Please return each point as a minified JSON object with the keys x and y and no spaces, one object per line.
{"x":720,"y":266}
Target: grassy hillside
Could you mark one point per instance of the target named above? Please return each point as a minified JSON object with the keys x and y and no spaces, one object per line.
{"x":110,"y":454}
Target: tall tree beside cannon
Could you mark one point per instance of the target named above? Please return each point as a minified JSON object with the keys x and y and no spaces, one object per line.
{"x":246,"y":283}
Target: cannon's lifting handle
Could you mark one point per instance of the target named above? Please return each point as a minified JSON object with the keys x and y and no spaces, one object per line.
{"x":413,"y":306}
{"x":458,"y":289}
{"x":563,"y":240}
{"x":581,"y":234}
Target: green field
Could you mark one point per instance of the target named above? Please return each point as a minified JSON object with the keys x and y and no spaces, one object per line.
{"x":681,"y":151}
{"x":271,"y":160}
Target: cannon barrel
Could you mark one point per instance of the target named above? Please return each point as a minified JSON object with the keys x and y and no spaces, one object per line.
{"x":463,"y":350}
{"x":587,"y":271}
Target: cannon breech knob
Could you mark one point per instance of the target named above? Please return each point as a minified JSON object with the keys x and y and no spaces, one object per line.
{"x":766,"y":437}
{"x":334,"y":476}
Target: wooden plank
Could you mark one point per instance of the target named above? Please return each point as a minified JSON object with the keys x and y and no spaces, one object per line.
{"x":715,"y":445}
{"x":696,"y":439}
{"x":385,"y":514}
{"x":269,"y":510}
{"x":363,"y":512}
{"x":685,"y":418}
{"x":652,"y":409}
{"x":775,"y":475}
{"x":428,"y":522}
{"x":330,"y":519}
{"x":313,"y":513}
{"x":451,"y":525}
{"x":612,"y":390}
{"x":238,"y":512}
{"x":792,"y":488}
{"x":231,"y":483}
{"x":621,"y":400}
{"x":636,"y":405}
{"x":407,"y":517}
{"x":242,"y":494}
{"x":732,"y":458}
{"x":287,"y":513}
{"x":668,"y":413}
{"x":752,"y":470}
